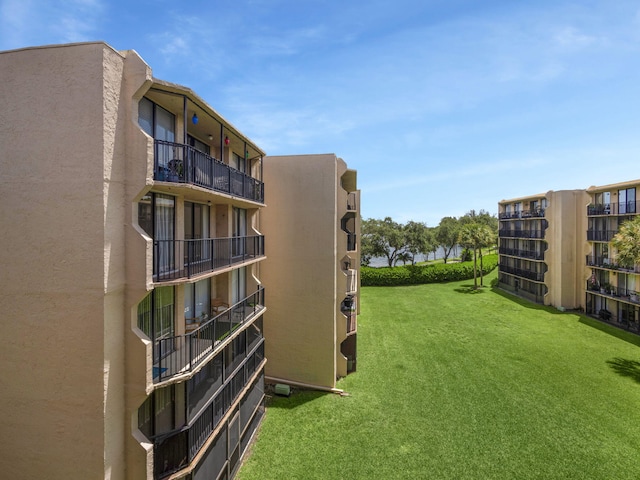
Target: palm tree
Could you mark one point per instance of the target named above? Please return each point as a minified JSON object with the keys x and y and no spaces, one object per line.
{"x":476,"y":236}
{"x":627,"y":243}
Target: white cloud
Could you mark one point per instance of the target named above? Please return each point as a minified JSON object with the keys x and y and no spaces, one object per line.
{"x":571,"y":39}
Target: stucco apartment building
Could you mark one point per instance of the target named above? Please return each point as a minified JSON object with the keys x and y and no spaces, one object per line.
{"x":134,"y":273}
{"x":311,"y":261}
{"x":555,"y":249}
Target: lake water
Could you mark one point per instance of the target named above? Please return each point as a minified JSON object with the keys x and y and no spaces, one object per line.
{"x":382,"y":261}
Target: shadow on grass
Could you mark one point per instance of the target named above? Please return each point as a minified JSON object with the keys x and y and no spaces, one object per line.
{"x":470,"y":289}
{"x":626,"y":368}
{"x":611,"y":330}
{"x":297,"y":398}
{"x":527,"y":303}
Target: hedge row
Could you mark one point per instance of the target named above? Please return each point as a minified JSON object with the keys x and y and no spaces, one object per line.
{"x":419,"y":274}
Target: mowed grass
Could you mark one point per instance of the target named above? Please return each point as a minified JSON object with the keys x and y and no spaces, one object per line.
{"x":453,"y":384}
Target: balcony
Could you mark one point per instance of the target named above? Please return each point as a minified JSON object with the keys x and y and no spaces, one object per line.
{"x":535,"y":213}
{"x":506,"y":232}
{"x":620,"y":293}
{"x":600,"y":235}
{"x":352,"y":322}
{"x":528,"y":274}
{"x":173,"y":451}
{"x":181,"y":354}
{"x":351,"y":242}
{"x":623,"y":208}
{"x":202,"y":256}
{"x":610,"y":263}
{"x":515,"y":252}
{"x":352,"y":281}
{"x":179,"y":163}
{"x":351,"y":202}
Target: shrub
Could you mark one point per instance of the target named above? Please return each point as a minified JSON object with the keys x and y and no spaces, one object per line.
{"x":420,"y":274}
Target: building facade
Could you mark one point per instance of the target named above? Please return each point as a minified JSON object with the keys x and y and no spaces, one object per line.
{"x":612,"y":289}
{"x":311,"y":326}
{"x":555,"y":249}
{"x":132,"y":301}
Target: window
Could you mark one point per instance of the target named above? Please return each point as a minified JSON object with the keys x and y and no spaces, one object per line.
{"x":239,"y":231}
{"x":157,"y":414}
{"x":627,"y":200}
{"x":198,"y":145}
{"x":156,"y":216}
{"x":197,"y":299}
{"x":196,"y":221}
{"x":239,"y":163}
{"x":238,"y":285}
{"x":156,"y":121}
{"x":156,"y":318}
{"x":196,"y":227}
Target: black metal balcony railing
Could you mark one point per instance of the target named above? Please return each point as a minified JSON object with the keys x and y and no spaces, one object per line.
{"x":202,"y":255}
{"x":622,"y":293}
{"x":175,"y":450}
{"x":622,"y":208}
{"x":535,"y":213}
{"x":506,"y":232}
{"x":182,"y":353}
{"x":528,"y":274}
{"x":528,"y":254}
{"x":600,"y":235}
{"x":610,"y":263}
{"x":179,"y":163}
{"x":522,"y":287}
{"x":351,"y":202}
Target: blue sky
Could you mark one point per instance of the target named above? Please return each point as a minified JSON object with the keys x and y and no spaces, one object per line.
{"x":441,"y":105}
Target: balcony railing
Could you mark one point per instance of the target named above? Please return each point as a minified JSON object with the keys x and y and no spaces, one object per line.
{"x":352,"y":322}
{"x":528,"y":274}
{"x":506,"y":232}
{"x":621,"y":293}
{"x":622,"y":208}
{"x":175,"y":450}
{"x":351,"y":202}
{"x":610,"y":263}
{"x":202,"y":255}
{"x":535,"y":213}
{"x":515,"y":252}
{"x":179,"y":163}
{"x":352,"y":281}
{"x":182,"y":353}
{"x":600,"y":235}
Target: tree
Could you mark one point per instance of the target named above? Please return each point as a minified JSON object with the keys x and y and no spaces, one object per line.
{"x":475,"y":236}
{"x":383,"y":238}
{"x":419,"y":239}
{"x":627,"y":243}
{"x":489,"y":235}
{"x":447,"y":235}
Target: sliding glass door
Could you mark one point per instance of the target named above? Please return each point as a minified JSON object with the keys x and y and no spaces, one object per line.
{"x":239,"y":231}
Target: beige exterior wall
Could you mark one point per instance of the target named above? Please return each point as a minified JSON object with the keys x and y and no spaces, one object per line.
{"x":76,"y":264}
{"x":64,"y":303}
{"x":302,"y":222}
{"x":567,"y":248}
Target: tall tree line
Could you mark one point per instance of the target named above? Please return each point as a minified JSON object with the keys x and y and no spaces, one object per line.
{"x":397,"y":242}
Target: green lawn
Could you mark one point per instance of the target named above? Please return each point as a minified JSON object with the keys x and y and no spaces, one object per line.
{"x":459,"y":385}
